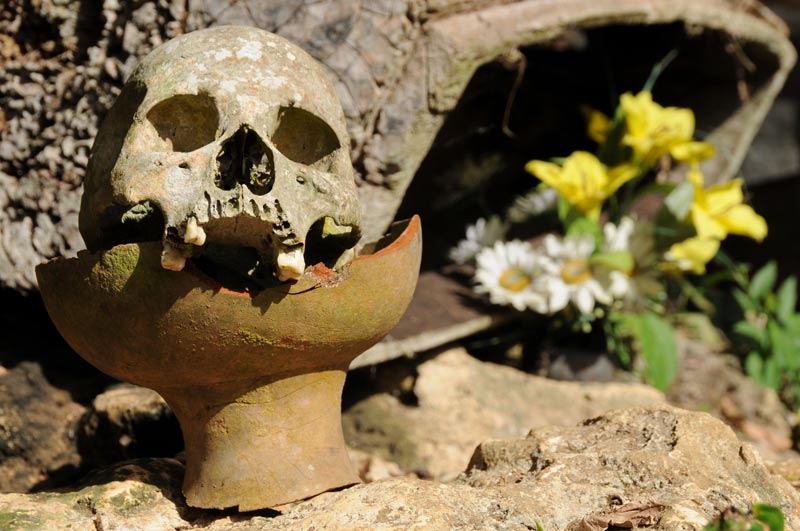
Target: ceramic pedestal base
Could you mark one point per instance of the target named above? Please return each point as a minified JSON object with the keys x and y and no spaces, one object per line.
{"x":252,"y":450}
{"x":255,"y":379}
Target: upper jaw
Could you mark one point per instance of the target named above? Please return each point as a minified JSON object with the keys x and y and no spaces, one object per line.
{"x":284,"y":253}
{"x":257,"y":247}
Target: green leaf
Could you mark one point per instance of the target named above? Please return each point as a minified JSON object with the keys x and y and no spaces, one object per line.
{"x":612,"y":152}
{"x":566,"y":211}
{"x":619,"y":260}
{"x":793,"y":324}
{"x":658,"y":68}
{"x":754,"y":367}
{"x":754,"y":332}
{"x":744,"y":301}
{"x":785,"y":346}
{"x":786,"y":300}
{"x":769,"y":303}
{"x":700,"y":327}
{"x":777,"y":343}
{"x":763,"y":281}
{"x":657,"y":345}
{"x":770,"y":515}
{"x":680,"y":200}
{"x":771,"y":375}
{"x":614,"y":327}
{"x":576,"y":223}
{"x":697,"y":297}
{"x":580,"y":225}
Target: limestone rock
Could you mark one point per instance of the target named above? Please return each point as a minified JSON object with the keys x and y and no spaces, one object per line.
{"x":373,"y":468}
{"x":657,"y":467}
{"x":462,"y":401}
{"x":125,"y":422}
{"x":788,"y":469}
{"x":37,"y":429}
{"x":143,"y":496}
{"x":714,"y":382}
{"x":683,"y":467}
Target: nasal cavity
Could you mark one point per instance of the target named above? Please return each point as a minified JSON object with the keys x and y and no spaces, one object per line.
{"x":245,"y":159}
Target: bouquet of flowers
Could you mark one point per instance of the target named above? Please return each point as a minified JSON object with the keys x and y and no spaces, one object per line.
{"x":610,"y":266}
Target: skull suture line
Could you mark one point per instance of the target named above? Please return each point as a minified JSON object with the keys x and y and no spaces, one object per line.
{"x":232,"y":138}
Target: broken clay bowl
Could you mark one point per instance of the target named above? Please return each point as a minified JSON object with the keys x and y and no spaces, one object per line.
{"x":255,"y":381}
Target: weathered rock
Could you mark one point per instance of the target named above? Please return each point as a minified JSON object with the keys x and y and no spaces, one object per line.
{"x":684,"y":467}
{"x":462,"y":401}
{"x":373,"y":468}
{"x":136,"y":496}
{"x":37,"y":430}
{"x":125,"y":422}
{"x":714,"y":382}
{"x":658,"y":467}
{"x":788,"y":469}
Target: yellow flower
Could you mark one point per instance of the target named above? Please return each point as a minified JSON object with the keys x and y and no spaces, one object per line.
{"x":692,"y":152}
{"x":693,"y":254}
{"x":717,"y":211}
{"x":598,"y":125}
{"x":583,"y":181}
{"x":653,"y":131}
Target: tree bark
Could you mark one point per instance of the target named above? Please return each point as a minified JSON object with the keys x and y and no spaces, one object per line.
{"x":402,"y":68}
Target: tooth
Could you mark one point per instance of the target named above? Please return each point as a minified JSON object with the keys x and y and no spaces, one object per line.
{"x":172,"y":258}
{"x":291,"y":264}
{"x":194,"y":233}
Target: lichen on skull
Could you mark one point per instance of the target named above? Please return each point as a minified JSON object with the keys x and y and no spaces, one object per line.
{"x":229,"y":145}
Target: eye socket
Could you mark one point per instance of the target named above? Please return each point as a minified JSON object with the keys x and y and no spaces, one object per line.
{"x":185,"y":122}
{"x":303,"y":137}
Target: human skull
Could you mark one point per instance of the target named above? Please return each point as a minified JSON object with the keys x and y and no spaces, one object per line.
{"x":225,"y":138}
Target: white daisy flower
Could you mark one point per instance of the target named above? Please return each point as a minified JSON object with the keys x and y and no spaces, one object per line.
{"x":479,"y":236}
{"x":637,"y":239}
{"x":507,"y":272}
{"x":570,"y":276}
{"x":532,"y":204}
{"x":617,"y":238}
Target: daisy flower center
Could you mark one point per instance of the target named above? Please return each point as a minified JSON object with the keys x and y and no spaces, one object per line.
{"x":576,"y":270}
{"x":514,"y":279}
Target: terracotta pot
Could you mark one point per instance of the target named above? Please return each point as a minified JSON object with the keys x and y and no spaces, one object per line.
{"x":255,"y":381}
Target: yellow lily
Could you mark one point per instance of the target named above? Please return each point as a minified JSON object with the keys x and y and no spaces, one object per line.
{"x":693,"y":254}
{"x":717,"y":211}
{"x":598,"y":125}
{"x":692,"y":152}
{"x":583,"y":180}
{"x":653,"y":131}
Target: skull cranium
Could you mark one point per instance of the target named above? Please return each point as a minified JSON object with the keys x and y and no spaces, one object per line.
{"x":229,"y":137}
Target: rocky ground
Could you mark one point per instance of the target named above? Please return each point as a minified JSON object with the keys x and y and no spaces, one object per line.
{"x":651,"y":466}
{"x":443,"y":441}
